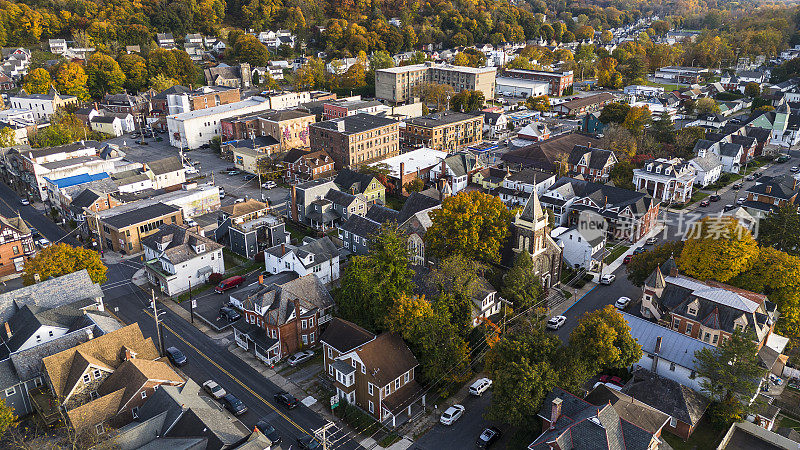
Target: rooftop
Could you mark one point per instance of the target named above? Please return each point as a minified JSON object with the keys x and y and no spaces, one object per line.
{"x":357,"y":123}
{"x":442,"y":118}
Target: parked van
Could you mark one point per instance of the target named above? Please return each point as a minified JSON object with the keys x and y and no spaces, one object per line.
{"x":480,"y":386}
{"x":229,"y":283}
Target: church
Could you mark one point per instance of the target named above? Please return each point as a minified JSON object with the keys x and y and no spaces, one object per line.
{"x":531,"y":233}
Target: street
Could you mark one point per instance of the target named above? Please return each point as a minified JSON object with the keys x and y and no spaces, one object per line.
{"x":465,"y":431}
{"x":10,"y":205}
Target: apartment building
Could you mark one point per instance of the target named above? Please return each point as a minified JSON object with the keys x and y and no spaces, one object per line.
{"x":289,"y":127}
{"x":192,"y":129}
{"x":558,"y":81}
{"x":447,"y":131}
{"x":399,"y":84}
{"x":123,"y":228}
{"x":355,"y":140}
{"x":43,"y":106}
{"x":344,"y":108}
{"x":16,"y":245}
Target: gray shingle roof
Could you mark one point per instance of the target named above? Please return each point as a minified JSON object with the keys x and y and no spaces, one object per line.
{"x":180,"y":243}
{"x":165,"y":165}
{"x":667,"y":396}
{"x":345,"y":336}
{"x":144,"y":214}
{"x":51,"y":293}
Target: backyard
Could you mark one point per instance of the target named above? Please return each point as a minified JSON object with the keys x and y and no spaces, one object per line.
{"x":705,"y":436}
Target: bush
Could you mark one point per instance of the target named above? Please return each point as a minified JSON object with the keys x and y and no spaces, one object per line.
{"x":214,"y":278}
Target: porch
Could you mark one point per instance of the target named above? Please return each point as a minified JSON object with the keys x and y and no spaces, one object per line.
{"x":254,"y":339}
{"x":45,"y":405}
{"x":403,"y":405}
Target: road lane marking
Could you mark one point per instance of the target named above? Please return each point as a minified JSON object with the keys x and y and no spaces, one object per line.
{"x":167,"y":327}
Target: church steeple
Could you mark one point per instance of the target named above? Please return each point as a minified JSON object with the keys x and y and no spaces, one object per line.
{"x":533,"y":213}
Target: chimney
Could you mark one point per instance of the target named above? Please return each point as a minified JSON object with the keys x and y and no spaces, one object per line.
{"x":8,"y":330}
{"x":769,"y":189}
{"x":402,"y":171}
{"x":261,"y":279}
{"x":283,"y":249}
{"x":555,"y":412}
{"x":656,"y":352}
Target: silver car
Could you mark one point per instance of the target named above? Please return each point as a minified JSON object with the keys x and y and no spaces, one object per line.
{"x":214,"y":389}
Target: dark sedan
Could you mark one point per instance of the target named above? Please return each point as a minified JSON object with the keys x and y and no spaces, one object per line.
{"x":488,"y":437}
{"x":308,"y":443}
{"x":234,"y":405}
{"x":269,"y":431}
{"x":286,"y":399}
{"x":176,"y":356}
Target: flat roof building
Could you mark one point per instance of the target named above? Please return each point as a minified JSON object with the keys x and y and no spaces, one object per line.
{"x":355,"y":140}
{"x":447,"y":131}
{"x":399,"y":84}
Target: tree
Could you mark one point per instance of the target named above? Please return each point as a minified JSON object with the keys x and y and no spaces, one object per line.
{"x":8,"y":137}
{"x":61,"y":259}
{"x":135,"y":69}
{"x":637,"y":119}
{"x":435,"y":93}
{"x":538,"y":103}
{"x":71,"y":79}
{"x":8,"y":418}
{"x":521,"y":285}
{"x":250,"y":50}
{"x":752,"y":90}
{"x":415,"y":185}
{"x":614,"y":113}
{"x":174,"y":63}
{"x":621,"y":174}
{"x":472,"y":224}
{"x":642,"y":265}
{"x":467,"y":101}
{"x":718,"y":248}
{"x":663,"y":129}
{"x":441,"y":350}
{"x":687,"y":137}
{"x":104,"y":75}
{"x":584,"y":33}
{"x":779,"y":230}
{"x":38,"y":81}
{"x":457,"y":280}
{"x":729,"y":375}
{"x":618,"y":138}
{"x":371,"y":283}
{"x":603,"y":340}
{"x":706,"y":105}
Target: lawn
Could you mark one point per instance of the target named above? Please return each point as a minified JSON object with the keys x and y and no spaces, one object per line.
{"x":788,"y":423}
{"x":696,"y":197}
{"x":705,"y":436}
{"x":667,"y":87}
{"x":298,"y":232}
{"x":615,"y":253}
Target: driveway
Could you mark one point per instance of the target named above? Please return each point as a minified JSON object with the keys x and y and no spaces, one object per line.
{"x":465,"y":431}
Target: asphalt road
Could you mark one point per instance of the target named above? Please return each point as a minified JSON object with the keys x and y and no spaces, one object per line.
{"x":210,"y":359}
{"x":464,"y":433}
{"x":10,"y":205}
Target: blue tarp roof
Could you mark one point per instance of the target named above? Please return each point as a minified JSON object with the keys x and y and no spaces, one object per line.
{"x":77,"y":179}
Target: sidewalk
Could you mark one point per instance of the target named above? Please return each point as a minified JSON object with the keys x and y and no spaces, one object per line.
{"x":577,"y":295}
{"x":613,"y":266}
{"x":112,"y":257}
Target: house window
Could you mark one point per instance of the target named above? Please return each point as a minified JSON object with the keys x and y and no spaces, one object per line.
{"x":303,"y":324}
{"x":714,"y":339}
{"x":93,"y":395}
{"x":370,"y":389}
{"x":371,"y":407}
{"x":676,"y":323}
{"x":135,"y":412}
{"x":363,"y":369}
{"x":707,"y":337}
{"x":311,"y":338}
{"x":311,"y":322}
{"x":330,"y":370}
{"x":692,"y":311}
{"x":50,"y":333}
{"x":37,"y":381}
{"x":672,"y":367}
{"x":397,"y":384}
{"x":406,"y":376}
{"x":330,"y":352}
{"x":305,"y":339}
{"x":100,"y":428}
{"x":144,"y":394}
{"x":97,"y":374}
{"x":11,"y":391}
{"x":673,"y":422}
{"x":86,"y":378}
{"x":688,"y":328}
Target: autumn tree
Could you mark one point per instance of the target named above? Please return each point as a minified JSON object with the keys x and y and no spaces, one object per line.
{"x":717,"y":248}
{"x":37,"y":81}
{"x":687,"y":137}
{"x":371,"y":283}
{"x":637,"y":118}
{"x":457,"y":280}
{"x":8,"y":137}
{"x":614,"y":113}
{"x":161,"y":83}
{"x":752,"y":90}
{"x":603,"y":340}
{"x":729,"y":375}
{"x":434,"y":93}
{"x":104,"y":75}
{"x":473,"y":224}
{"x":62,"y":259}
{"x":135,"y":69}
{"x":706,"y":105}
{"x":249,"y":49}
{"x":71,"y":79}
{"x":174,"y":63}
{"x":521,"y":285}
{"x":642,"y":265}
{"x":619,"y":139}
{"x":467,"y":101}
{"x":8,"y":418}
{"x":415,"y":185}
{"x":780,"y":229}
{"x":621,"y":174}
{"x":538,"y":103}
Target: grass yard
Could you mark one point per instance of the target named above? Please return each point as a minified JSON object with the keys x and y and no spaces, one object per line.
{"x":788,"y":423}
{"x":298,"y":232}
{"x":615,"y":253}
{"x":667,"y":87}
{"x":705,"y":436}
{"x":696,"y":197}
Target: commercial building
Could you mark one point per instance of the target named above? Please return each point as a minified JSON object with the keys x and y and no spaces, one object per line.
{"x":195,"y":128}
{"x":520,"y":87}
{"x":344,"y":108}
{"x":289,"y":128}
{"x":355,"y":140}
{"x":682,"y":75}
{"x":400,"y":84}
{"x":123,"y":228}
{"x":447,"y":131}
{"x":179,"y":99}
{"x":559,"y":81}
{"x":584,"y":105}
{"x":42,"y":105}
{"x":16,"y":245}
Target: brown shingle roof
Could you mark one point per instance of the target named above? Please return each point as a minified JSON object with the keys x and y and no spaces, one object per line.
{"x":106,"y":350}
{"x":97,"y":411}
{"x":344,"y":336}
{"x":246,"y":207}
{"x":388,"y":357}
{"x":133,"y":374}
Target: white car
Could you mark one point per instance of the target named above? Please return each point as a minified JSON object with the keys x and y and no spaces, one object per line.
{"x":238,"y":200}
{"x":269,"y":185}
{"x":214,"y":389}
{"x":191,"y":222}
{"x":452,"y":414}
{"x":480,"y":386}
{"x":191,"y":170}
{"x":622,"y":302}
{"x":42,"y":243}
{"x":651,"y":241}
{"x":740,"y":200}
{"x":24,"y":201}
{"x":299,"y":357}
{"x":608,"y":278}
{"x":556,"y":322}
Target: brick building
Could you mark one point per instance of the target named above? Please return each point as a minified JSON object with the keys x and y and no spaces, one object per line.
{"x":304,"y":165}
{"x":447,"y":131}
{"x":355,"y":140}
{"x":16,"y":245}
{"x":401,"y":84}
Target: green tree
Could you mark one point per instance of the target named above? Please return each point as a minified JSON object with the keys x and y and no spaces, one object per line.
{"x":752,"y":90}
{"x":521,"y":285}
{"x":603,"y":340}
{"x":415,"y":185}
{"x":104,"y":75}
{"x":37,"y":81}
{"x":614,"y":113}
{"x":472,"y":224}
{"x":250,"y":50}
{"x":371,"y":283}
{"x":161,"y":83}
{"x":687,"y":137}
{"x":61,"y":259}
{"x":621,"y":174}
{"x":457,"y":280}
{"x":663,"y":129}
{"x":706,"y":105}
{"x":729,"y":375}
{"x":135,"y":69}
{"x":780,"y":229}
{"x":467,"y":101}
{"x":71,"y":79}
{"x":642,"y":265}
{"x":538,"y":103}
{"x":718,"y":248}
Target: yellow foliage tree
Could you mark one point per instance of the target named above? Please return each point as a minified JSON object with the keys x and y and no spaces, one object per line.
{"x":61,"y":259}
{"x":38,"y":81}
{"x":71,"y":79}
{"x":718,"y":248}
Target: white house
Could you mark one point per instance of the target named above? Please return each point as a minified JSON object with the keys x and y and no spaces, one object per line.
{"x":317,"y":256}
{"x":486,"y":302}
{"x":495,"y":123}
{"x":667,"y":180}
{"x":517,"y":187}
{"x":177,"y":258}
{"x":109,"y":125}
{"x":643,"y":91}
{"x":707,"y":168}
{"x":43,"y":106}
{"x":192,"y":129}
{"x":58,"y":46}
{"x":577,"y":250}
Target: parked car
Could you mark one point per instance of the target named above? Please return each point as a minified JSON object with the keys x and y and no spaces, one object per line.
{"x":233,"y":173}
{"x":221,"y":192}
{"x":638,"y":250}
{"x":556,"y":322}
{"x":269,"y":185}
{"x":727,"y":208}
{"x":249,"y":177}
{"x":714,"y":198}
{"x":608,"y":278}
{"x":231,"y":169}
{"x":737,"y":186}
{"x":622,"y":302}
{"x":42,"y":242}
{"x":627,"y":259}
{"x":238,"y":200}
{"x":705,"y":202}
{"x":782,"y":159}
{"x":299,"y":357}
{"x":480,"y":386}
{"x":452,"y":414}
{"x":214,"y":389}
{"x":269,"y":431}
{"x":740,"y":200}
{"x":777,"y":381}
{"x":24,"y":201}
{"x":230,"y":314}
{"x":794,"y":169}
{"x":308,"y":442}
{"x":229,"y":283}
{"x":488,"y":437}
{"x":176,"y":356}
{"x":651,"y":240}
{"x":286,"y":399}
{"x":233,"y":404}
{"x":611,"y":379}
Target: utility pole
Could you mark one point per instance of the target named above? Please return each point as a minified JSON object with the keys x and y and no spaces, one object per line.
{"x":322,"y":439}
{"x":158,"y":324}
{"x":191,"y":302}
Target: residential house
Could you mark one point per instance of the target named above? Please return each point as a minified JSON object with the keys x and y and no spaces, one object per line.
{"x":314,"y":256}
{"x":280,"y":319}
{"x":177,"y":258}
{"x":667,"y":180}
{"x":248,"y":153}
{"x":137,"y":106}
{"x":550,"y":154}
{"x":579,"y":251}
{"x":239,"y":76}
{"x":707,"y":167}
{"x":57,"y":46}
{"x":490,"y":178}
{"x":374,"y":373}
{"x":516,"y":187}
{"x":447,"y":131}
{"x":629,"y":409}
{"x":355,"y":140}
{"x":109,"y":125}
{"x":304,"y":165}
{"x":101,"y":384}
{"x":247,"y":226}
{"x":535,"y":131}
{"x":590,"y":123}
{"x":165,"y":40}
{"x":456,"y":169}
{"x":495,"y":124}
{"x":569,"y":422}
{"x":409,"y":166}
{"x":584,"y":105}
{"x":43,"y":106}
{"x":357,"y":183}
{"x":320,"y":204}
{"x":530,"y":232}
{"x":593,"y":164}
{"x":122,"y":229}
{"x":167,"y":172}
{"x":16,"y":246}
{"x":769,"y":193}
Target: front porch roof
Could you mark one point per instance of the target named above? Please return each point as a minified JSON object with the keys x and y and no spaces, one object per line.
{"x":342,"y":367}
{"x":257,"y":335}
{"x":402,"y":398}
{"x":154,"y":266}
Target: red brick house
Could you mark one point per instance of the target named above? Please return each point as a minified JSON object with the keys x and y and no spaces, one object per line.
{"x":280,"y":319}
{"x":305,"y":165}
{"x":375,"y":373}
{"x":594,"y":164}
{"x":16,"y":245}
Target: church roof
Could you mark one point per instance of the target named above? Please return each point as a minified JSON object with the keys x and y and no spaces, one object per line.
{"x":533,"y":209}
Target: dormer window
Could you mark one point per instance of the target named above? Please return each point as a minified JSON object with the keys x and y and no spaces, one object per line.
{"x":658,"y":169}
{"x":692,"y":311}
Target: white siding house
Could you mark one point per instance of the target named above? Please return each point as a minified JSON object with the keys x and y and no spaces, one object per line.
{"x":317,"y":256}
